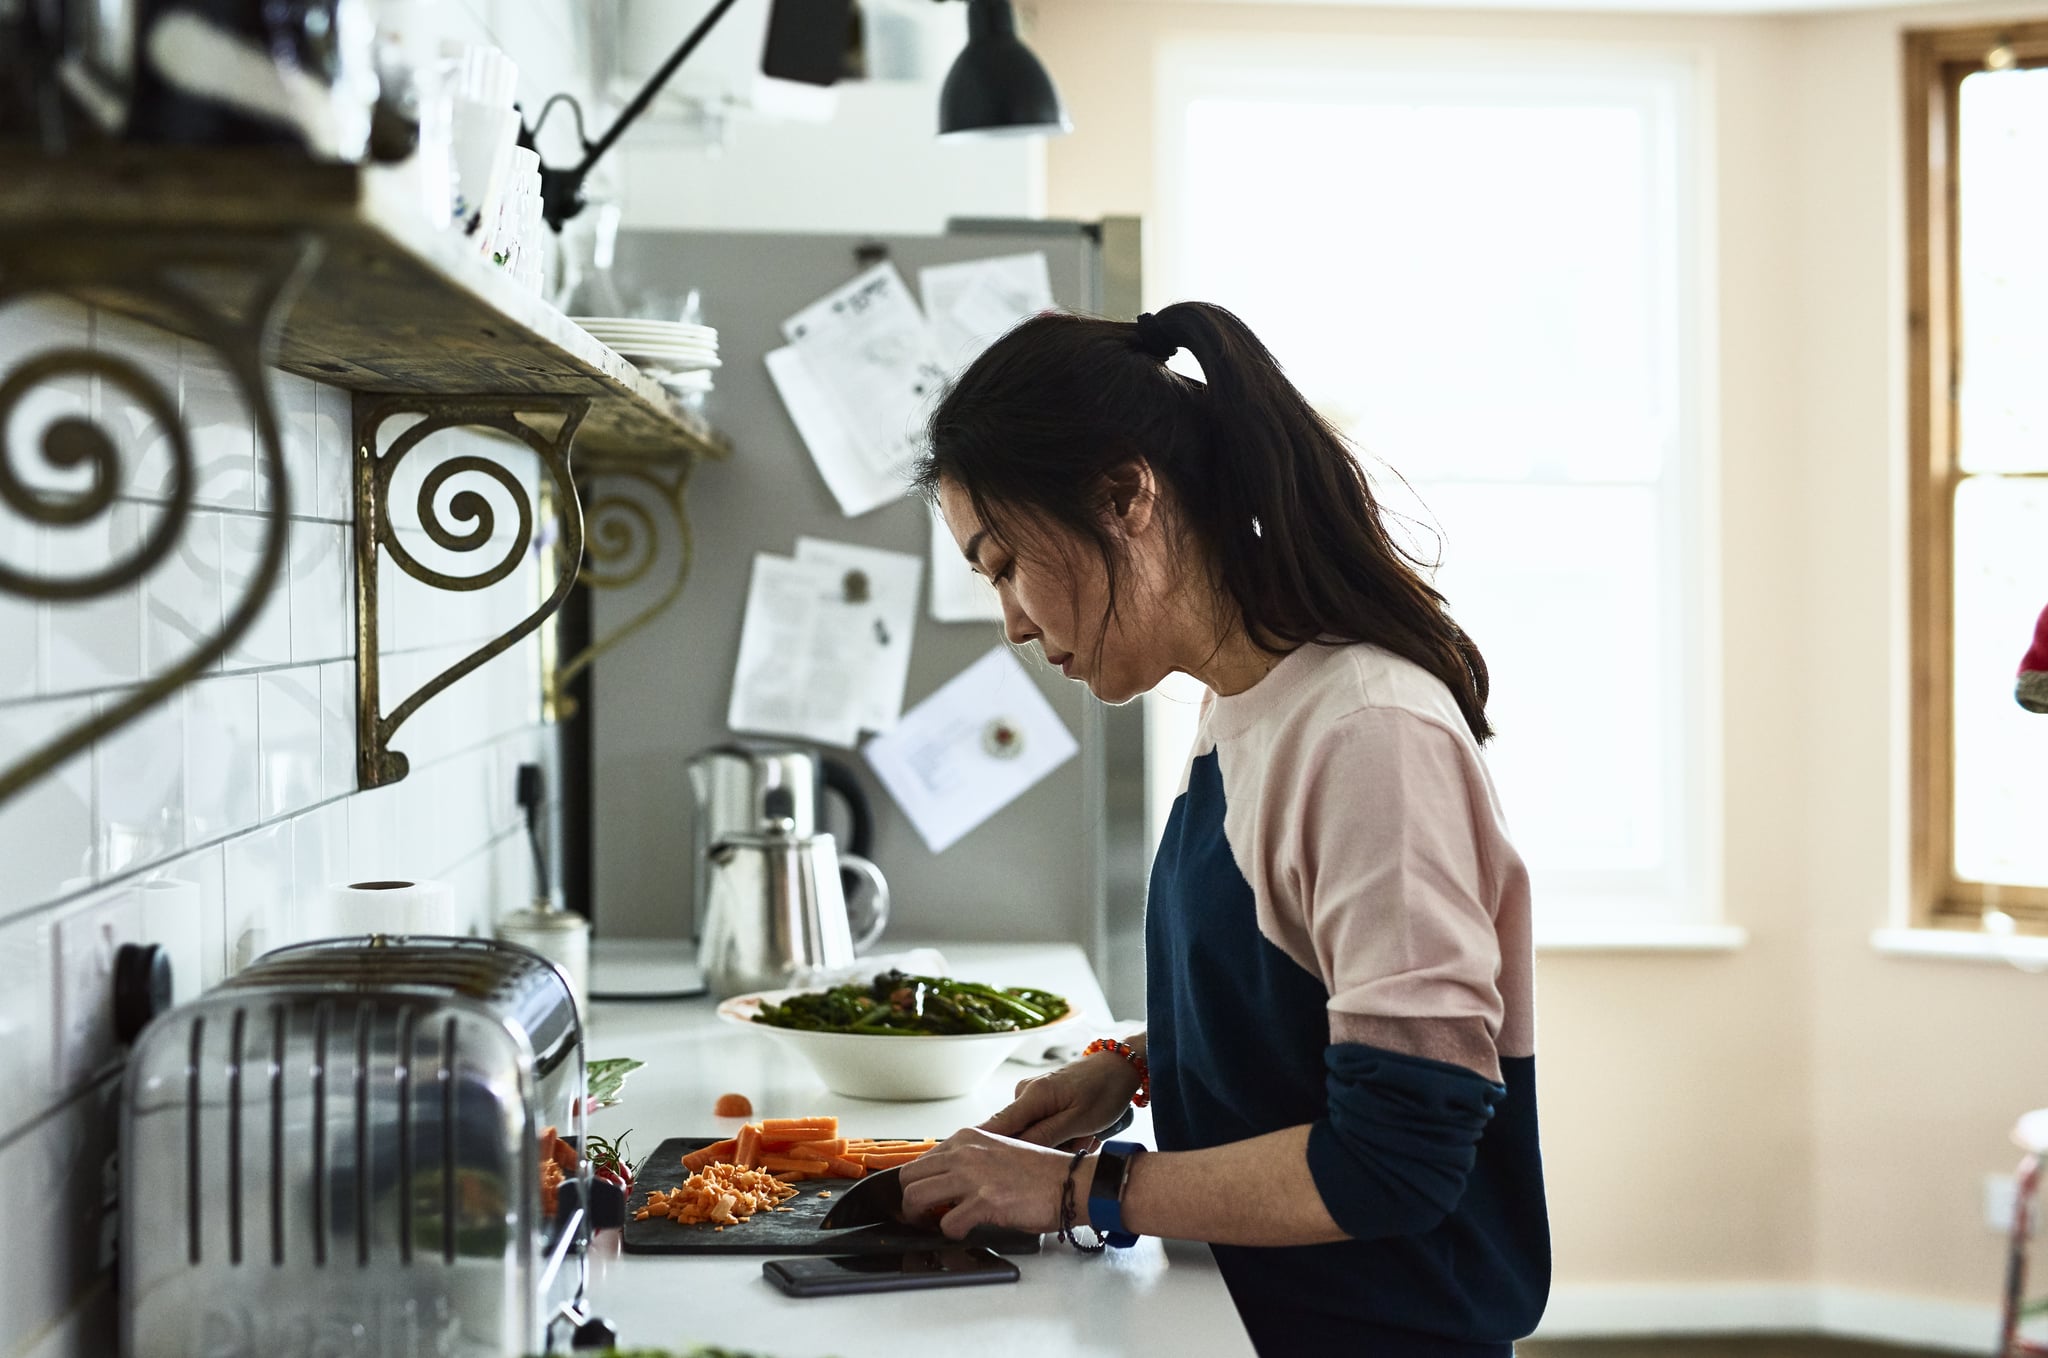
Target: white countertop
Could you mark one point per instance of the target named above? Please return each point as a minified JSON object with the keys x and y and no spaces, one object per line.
{"x":1157,"y":1297}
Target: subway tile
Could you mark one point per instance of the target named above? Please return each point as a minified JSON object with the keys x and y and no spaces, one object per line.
{"x":338,"y":728}
{"x":269,"y":639}
{"x":95,"y":642}
{"x":128,"y":411}
{"x":294,"y":399}
{"x":181,"y":597}
{"x":289,"y":704}
{"x":69,"y":1158}
{"x":334,"y":455}
{"x":319,"y":863}
{"x":21,"y":619}
{"x":373,"y":848}
{"x":183,"y":911}
{"x":422,"y":840}
{"x":465,"y":802}
{"x":321,"y":608}
{"x":26,"y":1007}
{"x":258,"y":875}
{"x":223,"y":768}
{"x":222,"y":435}
{"x":32,"y":329}
{"x":139,"y":773}
{"x":46,"y":831}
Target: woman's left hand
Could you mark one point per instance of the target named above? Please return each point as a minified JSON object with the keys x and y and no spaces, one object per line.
{"x":980,"y":1179}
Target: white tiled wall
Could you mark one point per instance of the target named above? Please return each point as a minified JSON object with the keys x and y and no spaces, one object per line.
{"x":216,"y":823}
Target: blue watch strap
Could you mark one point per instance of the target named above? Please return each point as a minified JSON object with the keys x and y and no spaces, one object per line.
{"x":1106,"y":1193}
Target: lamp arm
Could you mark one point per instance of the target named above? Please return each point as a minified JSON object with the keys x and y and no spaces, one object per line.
{"x":647,"y":92}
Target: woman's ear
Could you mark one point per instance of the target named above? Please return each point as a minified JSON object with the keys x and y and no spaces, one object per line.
{"x":1133,"y":497}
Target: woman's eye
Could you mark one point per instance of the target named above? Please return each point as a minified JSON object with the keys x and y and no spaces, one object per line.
{"x":1004,"y":574}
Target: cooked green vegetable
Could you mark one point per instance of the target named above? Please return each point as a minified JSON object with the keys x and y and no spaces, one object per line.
{"x":606,"y":1078}
{"x":897,"y":1005}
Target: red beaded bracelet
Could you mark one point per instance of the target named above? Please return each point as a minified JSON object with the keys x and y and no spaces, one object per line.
{"x":1106,"y":1044}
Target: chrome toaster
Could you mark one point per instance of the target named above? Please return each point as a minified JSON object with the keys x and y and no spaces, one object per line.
{"x":339,"y":1152}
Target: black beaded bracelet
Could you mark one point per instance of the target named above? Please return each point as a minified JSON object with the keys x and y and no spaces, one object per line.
{"x":1067,"y":1223}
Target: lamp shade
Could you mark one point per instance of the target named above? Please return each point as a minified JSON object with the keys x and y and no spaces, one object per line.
{"x":997,"y":87}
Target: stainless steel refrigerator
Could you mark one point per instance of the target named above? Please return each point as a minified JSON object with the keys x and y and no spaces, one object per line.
{"x":1067,"y":860}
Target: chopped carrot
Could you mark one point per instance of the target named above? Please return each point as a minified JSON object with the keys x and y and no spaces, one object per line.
{"x":818,"y":1150}
{"x":782,"y":1162}
{"x":749,"y":1147}
{"x":802,"y":1129}
{"x":796,"y":1176}
{"x":733,"y":1106}
{"x":841,"y":1167}
{"x":718,"y":1150}
{"x":875,"y":1162}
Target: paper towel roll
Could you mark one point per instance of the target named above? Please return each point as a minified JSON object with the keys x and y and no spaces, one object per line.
{"x":393,"y":908}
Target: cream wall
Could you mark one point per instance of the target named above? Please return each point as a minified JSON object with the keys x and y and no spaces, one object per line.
{"x":1796,"y":1112}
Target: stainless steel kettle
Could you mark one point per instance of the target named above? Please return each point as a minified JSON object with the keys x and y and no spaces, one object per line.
{"x":776,"y":913}
{"x":732,"y":783}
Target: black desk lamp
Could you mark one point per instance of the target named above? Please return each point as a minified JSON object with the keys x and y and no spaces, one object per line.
{"x":997,"y":88}
{"x":807,"y":41}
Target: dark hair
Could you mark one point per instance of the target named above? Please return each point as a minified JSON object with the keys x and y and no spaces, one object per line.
{"x":1036,"y":427}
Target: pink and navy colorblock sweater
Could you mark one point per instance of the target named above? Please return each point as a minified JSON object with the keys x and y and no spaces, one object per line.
{"x":1338,"y":935}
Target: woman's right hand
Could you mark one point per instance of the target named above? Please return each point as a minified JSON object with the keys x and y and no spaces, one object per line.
{"x":1070,"y":1105}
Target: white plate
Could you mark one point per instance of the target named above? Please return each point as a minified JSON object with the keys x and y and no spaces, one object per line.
{"x":673,"y":361}
{"x":623,"y":325}
{"x":910,"y":1067}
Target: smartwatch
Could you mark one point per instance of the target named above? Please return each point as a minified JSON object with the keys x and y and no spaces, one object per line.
{"x":1106,"y":1194}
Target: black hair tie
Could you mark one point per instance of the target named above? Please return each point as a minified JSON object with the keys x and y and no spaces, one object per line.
{"x":1152,"y":338}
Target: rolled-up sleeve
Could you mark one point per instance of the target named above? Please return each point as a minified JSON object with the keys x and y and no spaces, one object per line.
{"x":1392,"y":1155}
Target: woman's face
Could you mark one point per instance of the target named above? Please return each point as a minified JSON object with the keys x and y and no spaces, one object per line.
{"x":1055,"y":591}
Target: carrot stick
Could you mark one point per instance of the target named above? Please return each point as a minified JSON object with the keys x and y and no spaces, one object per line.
{"x":749,"y":1147}
{"x":795,"y":1176}
{"x":782,"y":1162}
{"x":840,"y":1167}
{"x":718,"y":1150}
{"x":818,"y":1150}
{"x":875,"y":1162}
{"x":802,"y":1129}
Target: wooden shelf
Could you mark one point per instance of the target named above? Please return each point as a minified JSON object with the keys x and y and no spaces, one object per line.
{"x":394,"y":308}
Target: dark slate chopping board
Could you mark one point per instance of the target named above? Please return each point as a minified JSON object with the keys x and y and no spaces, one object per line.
{"x":795,"y":1232}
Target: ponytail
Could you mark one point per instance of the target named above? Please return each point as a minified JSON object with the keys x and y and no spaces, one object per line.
{"x":1268,"y":488}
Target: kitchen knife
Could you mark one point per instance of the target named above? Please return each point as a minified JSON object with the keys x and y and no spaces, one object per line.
{"x":876,"y":1198}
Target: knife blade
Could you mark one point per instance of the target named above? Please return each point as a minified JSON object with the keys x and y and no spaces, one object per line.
{"x":878,"y":1197}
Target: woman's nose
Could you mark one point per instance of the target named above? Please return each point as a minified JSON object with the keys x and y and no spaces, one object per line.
{"x":1017,"y":625}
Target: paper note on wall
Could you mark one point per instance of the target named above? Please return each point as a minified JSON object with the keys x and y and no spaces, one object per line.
{"x":880,"y":589}
{"x":972,"y":305}
{"x":958,"y":593}
{"x":789,"y":679}
{"x":963,"y":754}
{"x":855,"y":482}
{"x":868,"y":348}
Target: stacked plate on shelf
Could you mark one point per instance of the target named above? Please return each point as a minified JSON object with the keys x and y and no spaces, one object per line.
{"x":678,"y":355}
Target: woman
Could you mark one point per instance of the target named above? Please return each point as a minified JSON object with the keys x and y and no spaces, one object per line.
{"x":1340,"y":1036}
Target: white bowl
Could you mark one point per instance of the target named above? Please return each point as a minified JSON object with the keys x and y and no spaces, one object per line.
{"x":909,"y":1067}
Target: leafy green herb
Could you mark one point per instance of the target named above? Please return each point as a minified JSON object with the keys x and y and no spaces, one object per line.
{"x":899,"y":1005}
{"x":606,"y":1078}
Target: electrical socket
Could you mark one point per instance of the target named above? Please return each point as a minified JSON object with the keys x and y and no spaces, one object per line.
{"x":2000,"y":1198}
{"x":83,"y":995}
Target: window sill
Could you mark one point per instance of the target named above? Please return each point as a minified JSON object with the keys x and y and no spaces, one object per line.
{"x":1963,"y":945}
{"x":1643,"y":938}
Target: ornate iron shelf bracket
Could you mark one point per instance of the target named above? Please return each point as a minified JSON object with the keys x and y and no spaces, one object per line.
{"x":624,"y":543}
{"x":230,"y":296}
{"x":376,"y":762}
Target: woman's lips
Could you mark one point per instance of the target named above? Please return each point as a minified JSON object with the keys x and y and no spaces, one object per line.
{"x":1064,"y":662}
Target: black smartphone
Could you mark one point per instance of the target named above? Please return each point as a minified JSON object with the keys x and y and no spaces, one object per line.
{"x":839,"y":1274}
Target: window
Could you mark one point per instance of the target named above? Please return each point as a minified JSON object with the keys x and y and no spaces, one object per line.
{"x":1484,"y":265}
{"x":1977,"y":176}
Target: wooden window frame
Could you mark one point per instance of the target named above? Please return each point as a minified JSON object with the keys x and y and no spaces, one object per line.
{"x":1936,"y":62}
